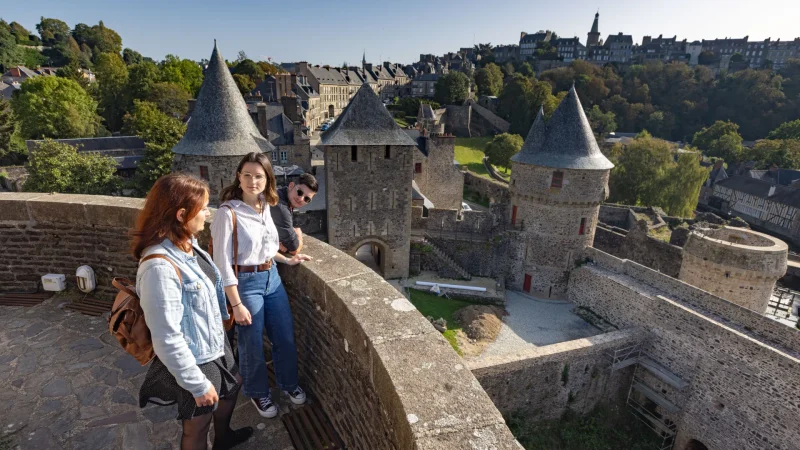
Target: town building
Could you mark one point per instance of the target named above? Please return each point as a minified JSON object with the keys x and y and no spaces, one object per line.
{"x":528,"y":43}
{"x":292,"y":146}
{"x":569,"y":49}
{"x":424,"y":85}
{"x":330,"y":84}
{"x":620,"y":47}
{"x":220,"y":131}
{"x":593,"y":37}
{"x":660,"y":49}
{"x":780,"y":52}
{"x":558,"y":180}
{"x":506,"y":53}
{"x":693,"y":49}
{"x":368,"y":171}
{"x":18,"y":75}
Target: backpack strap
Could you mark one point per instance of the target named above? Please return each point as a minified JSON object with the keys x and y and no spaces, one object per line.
{"x":235,"y":240}
{"x":160,"y":256}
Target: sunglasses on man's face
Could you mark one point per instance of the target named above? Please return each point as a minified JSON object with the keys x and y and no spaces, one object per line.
{"x":303,"y":196}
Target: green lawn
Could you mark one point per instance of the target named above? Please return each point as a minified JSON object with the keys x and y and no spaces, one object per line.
{"x":402,"y":122}
{"x":430,"y":305}
{"x":470,"y":152}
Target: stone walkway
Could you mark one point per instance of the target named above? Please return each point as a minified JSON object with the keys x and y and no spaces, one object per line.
{"x":67,"y":384}
{"x":534,"y":323}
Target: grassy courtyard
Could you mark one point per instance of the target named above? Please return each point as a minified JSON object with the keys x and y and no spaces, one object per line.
{"x":470,"y":152}
{"x":430,"y":305}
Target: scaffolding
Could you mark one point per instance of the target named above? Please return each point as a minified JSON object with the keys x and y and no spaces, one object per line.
{"x":649,"y":414}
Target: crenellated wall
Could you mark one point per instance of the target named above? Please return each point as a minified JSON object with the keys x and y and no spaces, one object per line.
{"x":383,"y":375}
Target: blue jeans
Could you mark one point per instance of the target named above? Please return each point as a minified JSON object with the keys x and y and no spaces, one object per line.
{"x":264,"y":296}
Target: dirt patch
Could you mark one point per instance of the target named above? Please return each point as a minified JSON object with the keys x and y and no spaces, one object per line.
{"x":480,"y":322}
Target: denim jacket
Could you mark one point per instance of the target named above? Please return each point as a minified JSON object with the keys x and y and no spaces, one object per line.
{"x":185,"y":321}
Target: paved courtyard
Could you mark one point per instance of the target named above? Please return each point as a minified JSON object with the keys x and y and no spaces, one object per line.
{"x":533,"y":322}
{"x":67,"y":384}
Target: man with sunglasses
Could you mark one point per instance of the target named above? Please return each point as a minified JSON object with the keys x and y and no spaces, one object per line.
{"x":296,"y":195}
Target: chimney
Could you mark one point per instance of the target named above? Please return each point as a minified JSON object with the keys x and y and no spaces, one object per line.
{"x":301,"y":67}
{"x":290,"y":108}
{"x":262,"y":118}
{"x":192,"y":102}
{"x":771,"y":191}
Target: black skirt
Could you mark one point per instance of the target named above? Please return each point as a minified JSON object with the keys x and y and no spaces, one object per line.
{"x":161,"y":388}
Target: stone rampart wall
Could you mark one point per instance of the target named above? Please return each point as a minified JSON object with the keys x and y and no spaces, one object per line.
{"x":448,"y":220}
{"x":617,"y":216}
{"x":548,"y":381}
{"x":736,"y":378}
{"x":492,"y":190}
{"x":383,"y":375}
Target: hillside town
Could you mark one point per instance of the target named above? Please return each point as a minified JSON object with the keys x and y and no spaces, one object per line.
{"x":549,"y":244}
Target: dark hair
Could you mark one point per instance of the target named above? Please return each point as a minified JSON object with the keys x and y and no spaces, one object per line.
{"x":308,"y":180}
{"x":234,"y":191}
{"x":158,"y":219}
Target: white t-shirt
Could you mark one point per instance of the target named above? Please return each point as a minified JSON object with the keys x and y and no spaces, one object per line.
{"x":258,"y":238}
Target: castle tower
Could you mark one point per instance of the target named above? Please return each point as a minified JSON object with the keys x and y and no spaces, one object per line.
{"x":220,"y":131}
{"x":369,"y":168}
{"x":593,"y":38}
{"x":558,"y":180}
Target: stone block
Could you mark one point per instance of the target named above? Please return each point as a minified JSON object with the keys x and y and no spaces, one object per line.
{"x":59,"y":208}
{"x":15,"y":205}
{"x":113,"y":211}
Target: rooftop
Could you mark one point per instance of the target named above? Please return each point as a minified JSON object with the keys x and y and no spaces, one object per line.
{"x":220,"y":124}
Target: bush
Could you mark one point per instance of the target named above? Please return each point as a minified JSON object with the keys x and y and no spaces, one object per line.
{"x":4,"y":179}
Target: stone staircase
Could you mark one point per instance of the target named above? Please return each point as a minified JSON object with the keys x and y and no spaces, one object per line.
{"x":447,"y":260}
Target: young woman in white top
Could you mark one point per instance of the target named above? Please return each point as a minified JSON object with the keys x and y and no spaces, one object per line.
{"x":257,"y":295}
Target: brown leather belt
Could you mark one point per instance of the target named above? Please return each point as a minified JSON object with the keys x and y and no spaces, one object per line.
{"x":259,"y":268}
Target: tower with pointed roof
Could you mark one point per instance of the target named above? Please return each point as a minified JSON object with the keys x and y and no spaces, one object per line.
{"x":593,"y":39}
{"x":558,"y":180}
{"x":220,"y":131}
{"x":368,"y":170}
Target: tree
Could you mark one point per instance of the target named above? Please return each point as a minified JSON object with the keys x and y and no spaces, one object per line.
{"x":502,"y":148}
{"x":707,"y":58}
{"x":526,"y":70}
{"x":131,"y":56}
{"x":112,"y":80}
{"x":31,"y":58}
{"x":244,"y":83}
{"x":98,"y":37}
{"x":704,"y":139}
{"x":160,"y":133}
{"x":57,"y":167}
{"x":489,"y":80}
{"x":73,"y":72}
{"x":22,"y":35}
{"x":141,"y":78}
{"x":451,"y":89}
{"x":410,"y":105}
{"x":787,"y":130}
{"x":270,"y":68}
{"x":640,"y":171}
{"x":682,"y":185}
{"x":728,"y":147}
{"x":12,"y":148}
{"x":63,"y":52}
{"x":251,"y":70}
{"x":183,"y":72}
{"x":783,"y":153}
{"x":170,"y":99}
{"x":54,"y":107}
{"x":602,"y":123}
{"x":10,"y":52}
{"x":52,"y":31}
{"x":515,"y":104}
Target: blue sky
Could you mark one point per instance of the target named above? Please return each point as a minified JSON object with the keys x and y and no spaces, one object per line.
{"x":334,"y":31}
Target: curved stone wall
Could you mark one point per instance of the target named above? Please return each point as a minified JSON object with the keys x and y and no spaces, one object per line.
{"x":736,"y":264}
{"x":383,"y":375}
{"x":558,"y":223}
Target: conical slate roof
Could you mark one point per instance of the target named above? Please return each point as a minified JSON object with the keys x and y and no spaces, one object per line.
{"x":565,"y":141}
{"x":365,"y":121}
{"x":220,"y":123}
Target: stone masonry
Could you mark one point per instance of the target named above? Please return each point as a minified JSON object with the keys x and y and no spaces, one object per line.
{"x":736,"y":264}
{"x":439,"y":178}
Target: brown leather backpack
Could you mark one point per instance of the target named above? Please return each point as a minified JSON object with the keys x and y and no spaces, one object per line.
{"x":127,"y":322}
{"x":228,"y":324}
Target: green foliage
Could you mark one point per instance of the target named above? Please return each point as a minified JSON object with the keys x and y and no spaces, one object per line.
{"x":160,"y":133}
{"x":54,"y":107}
{"x":646,"y":173}
{"x":787,"y":130}
{"x":22,"y":35}
{"x":52,"y":31}
{"x":430,"y":305}
{"x":251,"y":70}
{"x":183,"y":72}
{"x":131,"y":56}
{"x":705,"y":138}
{"x":112,"y":80}
{"x":10,"y":52}
{"x":73,"y":72}
{"x":489,"y":80}
{"x":244,"y":83}
{"x":521,"y":99}
{"x":452,"y":89}
{"x":98,"y":38}
{"x":525,"y":70}
{"x":469,"y":153}
{"x":707,"y":58}
{"x":31,"y":58}
{"x":57,"y":167}
{"x":784,"y":153}
{"x":502,"y":148}
{"x":269,"y":69}
{"x":141,"y":78}
{"x":170,"y":98}
{"x":12,"y":148}
{"x":721,"y":140}
{"x":602,"y":123}
{"x":410,"y":105}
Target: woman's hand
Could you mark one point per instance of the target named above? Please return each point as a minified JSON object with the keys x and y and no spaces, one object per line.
{"x":241,"y":315}
{"x":207,"y":399}
{"x":297,"y":259}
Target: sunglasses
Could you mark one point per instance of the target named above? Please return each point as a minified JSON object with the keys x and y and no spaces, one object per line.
{"x":305,"y":198}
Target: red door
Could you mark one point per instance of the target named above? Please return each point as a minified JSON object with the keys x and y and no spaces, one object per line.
{"x":526,"y":286}
{"x":514,"y":215}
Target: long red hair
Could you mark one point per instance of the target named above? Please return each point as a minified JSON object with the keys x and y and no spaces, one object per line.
{"x":158,"y":218}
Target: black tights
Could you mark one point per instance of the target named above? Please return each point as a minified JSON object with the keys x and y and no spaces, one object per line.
{"x":195,"y":430}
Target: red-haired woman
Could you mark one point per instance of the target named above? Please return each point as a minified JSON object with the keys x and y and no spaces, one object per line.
{"x":184,"y":304}
{"x":256,"y":293}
